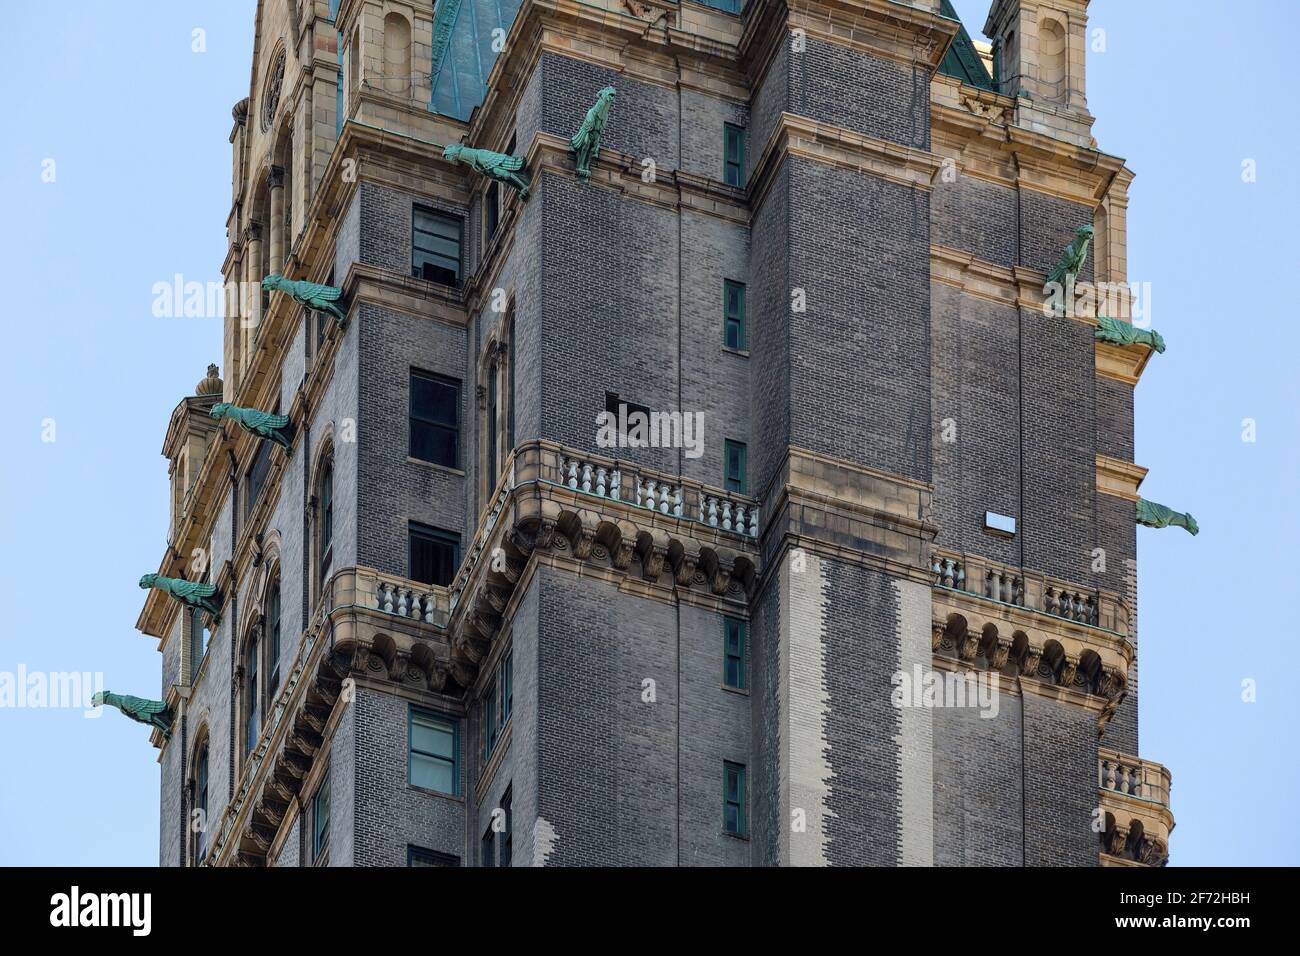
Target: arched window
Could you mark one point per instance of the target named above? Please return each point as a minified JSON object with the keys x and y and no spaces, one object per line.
{"x":325,"y":522}
{"x":252,"y":710}
{"x":200,"y":826}
{"x":272,"y":642}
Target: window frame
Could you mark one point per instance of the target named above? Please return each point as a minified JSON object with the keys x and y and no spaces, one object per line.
{"x":739,"y":486}
{"x":742,"y":823}
{"x":412,"y":419}
{"x":413,"y":713}
{"x":274,"y":612}
{"x":742,"y":336}
{"x":741,"y":656}
{"x":430,"y":857}
{"x":252,"y":712}
{"x":414,"y":530}
{"x":320,"y":836}
{"x":733,"y":134}
{"x":417,"y":265}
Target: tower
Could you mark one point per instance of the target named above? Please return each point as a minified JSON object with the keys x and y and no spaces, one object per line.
{"x":475,"y":611}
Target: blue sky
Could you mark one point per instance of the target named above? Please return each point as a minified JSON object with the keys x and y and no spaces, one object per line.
{"x":137,"y":126}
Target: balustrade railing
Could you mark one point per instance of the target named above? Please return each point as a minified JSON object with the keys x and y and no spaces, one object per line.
{"x":975,"y":575}
{"x":680,"y":499}
{"x":1133,"y":777}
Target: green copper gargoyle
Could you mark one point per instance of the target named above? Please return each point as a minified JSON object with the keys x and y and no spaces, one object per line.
{"x":1072,"y":260}
{"x":189,"y":593}
{"x":496,"y":166}
{"x":586,"y":141}
{"x":152,"y":712}
{"x":1158,"y":516}
{"x":322,"y":298}
{"x":276,"y":428}
{"x":1119,"y":332}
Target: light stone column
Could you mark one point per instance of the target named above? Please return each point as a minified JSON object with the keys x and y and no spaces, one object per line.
{"x":251,"y":307}
{"x":275,"y":182}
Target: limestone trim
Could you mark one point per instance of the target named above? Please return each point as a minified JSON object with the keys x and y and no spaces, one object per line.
{"x":1119,"y":478}
{"x":1078,"y":664}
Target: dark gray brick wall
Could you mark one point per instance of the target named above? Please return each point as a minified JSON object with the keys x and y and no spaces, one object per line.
{"x":843,"y":87}
{"x":975,"y":216}
{"x":1115,"y":419}
{"x":978,"y":785}
{"x":860,"y":355}
{"x":976,"y":384}
{"x":1060,"y":783}
{"x":863,"y":650}
{"x":1057,"y":530}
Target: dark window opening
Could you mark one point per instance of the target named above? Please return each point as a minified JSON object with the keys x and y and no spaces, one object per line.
{"x":435,"y":419}
{"x":734,"y":162}
{"x":433,"y":555}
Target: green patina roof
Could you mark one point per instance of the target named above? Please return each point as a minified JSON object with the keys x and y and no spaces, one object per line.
{"x":962,"y":61}
{"x":463,"y":54}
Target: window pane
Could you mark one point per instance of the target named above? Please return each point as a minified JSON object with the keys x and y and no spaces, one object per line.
{"x":433,"y":737}
{"x":432,"y":774}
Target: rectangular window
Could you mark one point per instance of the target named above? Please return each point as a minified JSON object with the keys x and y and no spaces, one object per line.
{"x":433,"y":555}
{"x":733,"y":798}
{"x":251,"y":691}
{"x":199,"y":635}
{"x":433,"y":757}
{"x":612,"y":405}
{"x":434,"y":419}
{"x":435,"y":243}
{"x":506,"y":681}
{"x":419,"y":856}
{"x":736,"y":465}
{"x":488,"y":722}
{"x":320,"y":819}
{"x":726,"y":6}
{"x":733,"y":310}
{"x":256,"y":478}
{"x":487,"y":856}
{"x":736,"y":637}
{"x":734,"y":163}
{"x":491,"y":211}
{"x":273,"y":644}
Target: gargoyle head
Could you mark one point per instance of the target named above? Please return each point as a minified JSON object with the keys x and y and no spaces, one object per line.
{"x":99,"y":698}
{"x":274,"y":282}
{"x":218,"y":411}
{"x":148,"y":580}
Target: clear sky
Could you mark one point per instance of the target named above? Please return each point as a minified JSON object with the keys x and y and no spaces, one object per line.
{"x":136,"y":123}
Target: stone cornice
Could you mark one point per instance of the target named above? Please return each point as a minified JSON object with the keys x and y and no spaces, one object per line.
{"x":893,"y":31}
{"x":973,"y":132}
{"x":1081,"y":664}
{"x":835,"y":146}
{"x":1119,"y":478}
